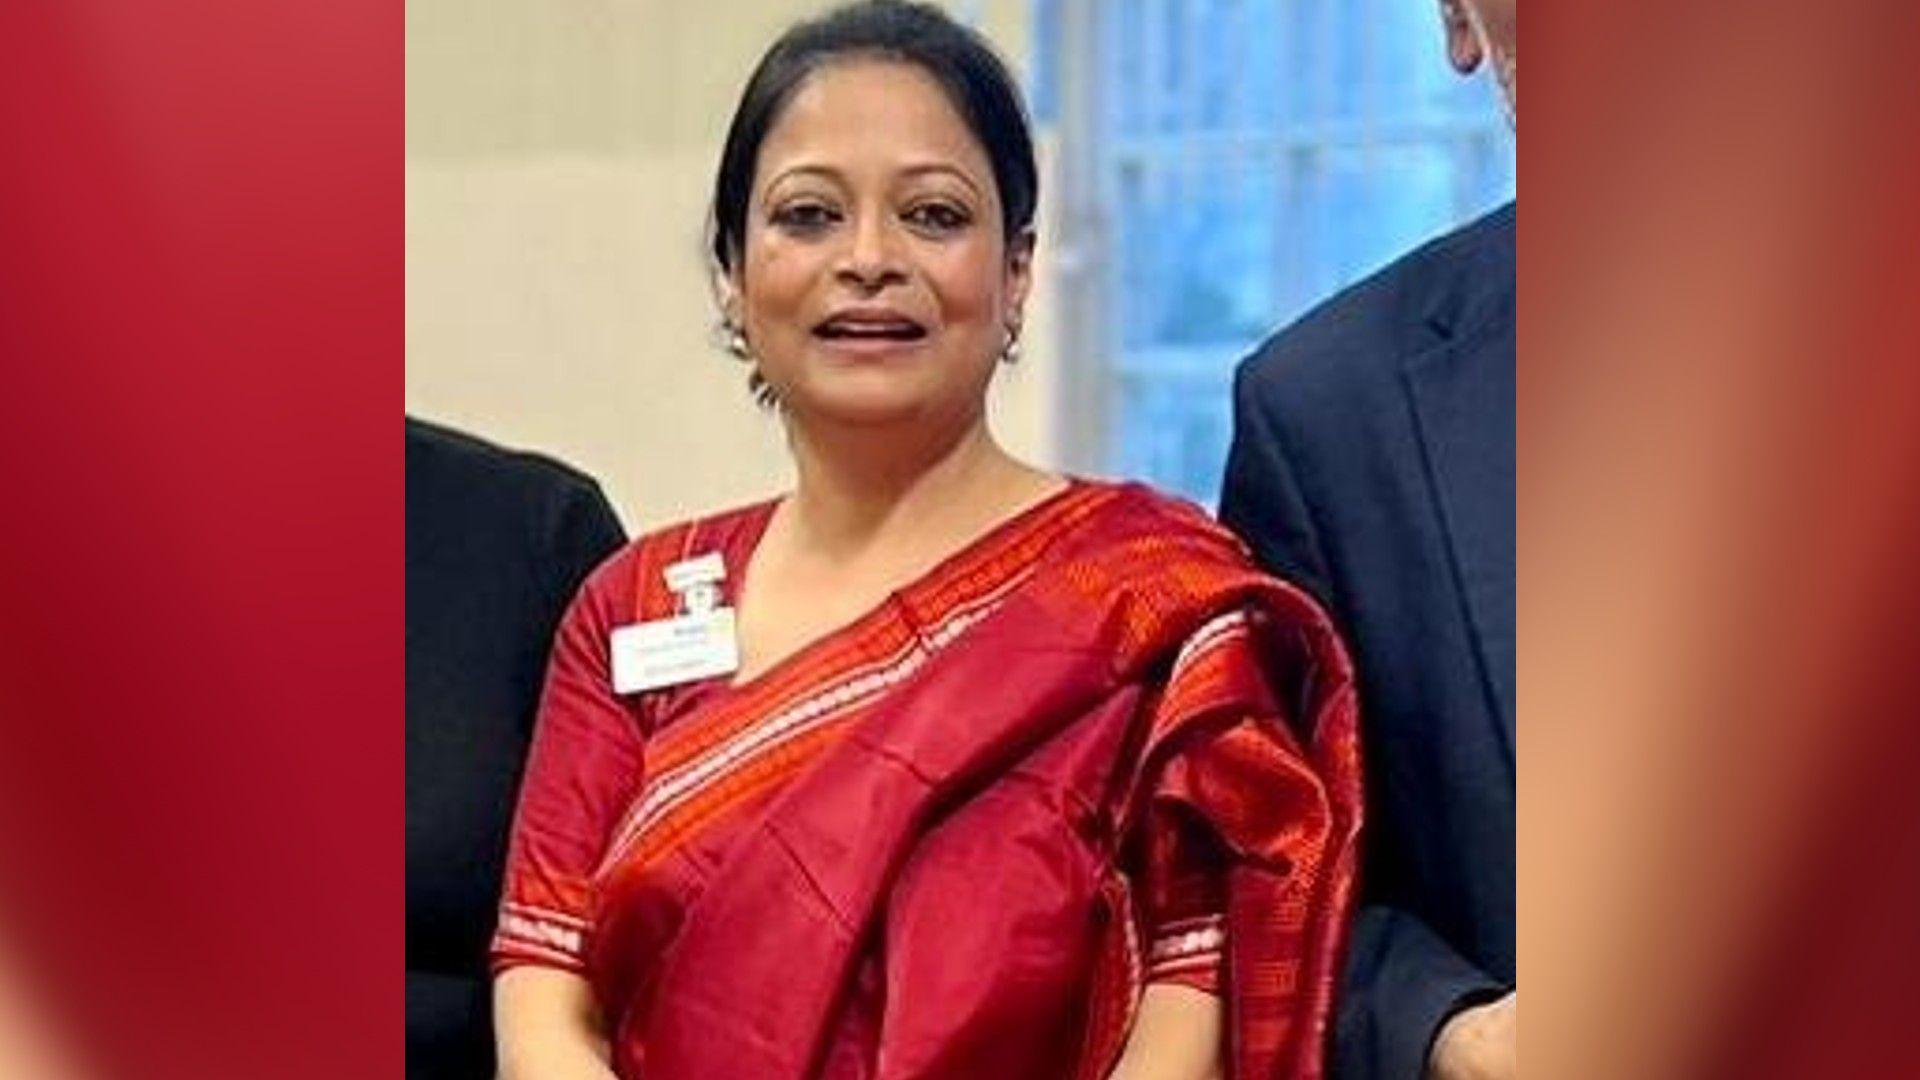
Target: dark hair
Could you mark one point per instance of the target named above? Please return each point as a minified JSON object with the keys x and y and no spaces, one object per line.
{"x":975,"y":79}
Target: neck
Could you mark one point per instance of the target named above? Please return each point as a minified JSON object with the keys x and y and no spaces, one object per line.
{"x":857,"y":484}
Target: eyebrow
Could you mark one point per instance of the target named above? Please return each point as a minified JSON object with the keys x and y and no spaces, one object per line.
{"x":911,"y":171}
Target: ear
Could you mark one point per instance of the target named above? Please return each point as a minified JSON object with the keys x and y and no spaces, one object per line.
{"x":1463,"y":38}
{"x":727,"y":294}
{"x":1019,"y":273}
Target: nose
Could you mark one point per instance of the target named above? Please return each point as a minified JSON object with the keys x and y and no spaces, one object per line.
{"x":872,"y":258}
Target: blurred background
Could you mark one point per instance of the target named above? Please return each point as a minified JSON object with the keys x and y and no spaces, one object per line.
{"x":1210,"y":169}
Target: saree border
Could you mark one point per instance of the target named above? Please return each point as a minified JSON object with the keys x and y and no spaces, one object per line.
{"x":759,"y":734}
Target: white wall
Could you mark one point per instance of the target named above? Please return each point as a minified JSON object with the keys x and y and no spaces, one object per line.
{"x":559,"y":160}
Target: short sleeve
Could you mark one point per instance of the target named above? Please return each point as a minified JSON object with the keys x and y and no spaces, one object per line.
{"x":1226,"y":783}
{"x":1183,"y":902}
{"x":585,"y":764}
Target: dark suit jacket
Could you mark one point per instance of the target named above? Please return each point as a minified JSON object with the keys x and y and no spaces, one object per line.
{"x":496,"y":544}
{"x":1372,"y":463}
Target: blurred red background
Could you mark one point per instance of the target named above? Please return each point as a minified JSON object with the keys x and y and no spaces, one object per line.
{"x":1719,"y":838}
{"x":201,"y":308}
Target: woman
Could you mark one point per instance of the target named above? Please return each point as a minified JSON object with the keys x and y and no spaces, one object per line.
{"x":940,"y":766}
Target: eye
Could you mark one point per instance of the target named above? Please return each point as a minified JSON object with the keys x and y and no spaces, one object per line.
{"x":805,"y":218}
{"x":937,"y":217}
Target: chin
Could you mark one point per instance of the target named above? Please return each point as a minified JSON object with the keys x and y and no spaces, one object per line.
{"x":861,"y":398}
{"x":872,"y":411}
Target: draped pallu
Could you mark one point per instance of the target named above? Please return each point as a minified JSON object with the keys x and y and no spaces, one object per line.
{"x":1092,"y":751}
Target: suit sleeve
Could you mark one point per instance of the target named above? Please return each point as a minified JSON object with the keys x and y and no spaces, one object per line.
{"x":1402,"y":980}
{"x":1260,"y":499}
{"x":585,"y":532}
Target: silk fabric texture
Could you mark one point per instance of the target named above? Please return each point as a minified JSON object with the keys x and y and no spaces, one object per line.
{"x":925,"y":845}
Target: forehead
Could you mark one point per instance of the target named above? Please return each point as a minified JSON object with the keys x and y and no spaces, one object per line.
{"x":859,"y":115}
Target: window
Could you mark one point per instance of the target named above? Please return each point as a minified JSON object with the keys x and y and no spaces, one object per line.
{"x":1224,"y":165}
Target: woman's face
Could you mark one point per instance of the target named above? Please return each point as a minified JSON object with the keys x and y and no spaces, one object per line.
{"x":875,"y":285}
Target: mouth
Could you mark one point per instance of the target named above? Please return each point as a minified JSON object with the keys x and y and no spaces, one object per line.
{"x":870,"y":329}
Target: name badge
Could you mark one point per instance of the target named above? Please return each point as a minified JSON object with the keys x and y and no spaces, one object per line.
{"x":665,"y":652}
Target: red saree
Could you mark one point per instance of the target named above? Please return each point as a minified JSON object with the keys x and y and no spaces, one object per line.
{"x":955,"y":839}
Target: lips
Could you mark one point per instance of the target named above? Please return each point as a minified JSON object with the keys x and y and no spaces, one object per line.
{"x":870,"y":325}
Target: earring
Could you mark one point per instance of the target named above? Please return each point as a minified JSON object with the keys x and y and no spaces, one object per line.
{"x":1010,"y":352}
{"x":732,"y":338}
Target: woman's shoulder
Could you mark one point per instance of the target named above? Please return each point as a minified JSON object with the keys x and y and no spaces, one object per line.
{"x":621,"y":582}
{"x":693,"y":536}
{"x":1165,"y":567}
{"x":1138,"y":512}
{"x":1142,"y":547}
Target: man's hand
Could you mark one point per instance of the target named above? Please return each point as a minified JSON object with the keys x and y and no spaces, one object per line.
{"x":1481,"y":1043}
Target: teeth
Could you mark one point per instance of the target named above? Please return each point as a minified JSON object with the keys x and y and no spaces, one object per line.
{"x":871,"y":329}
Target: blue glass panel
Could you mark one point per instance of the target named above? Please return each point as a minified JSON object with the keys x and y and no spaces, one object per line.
{"x":1043,"y":96}
{"x":1260,"y":155}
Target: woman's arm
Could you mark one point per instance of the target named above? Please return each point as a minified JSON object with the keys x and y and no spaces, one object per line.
{"x":547,"y":1027}
{"x":584,"y":764}
{"x":1176,"y":1036}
